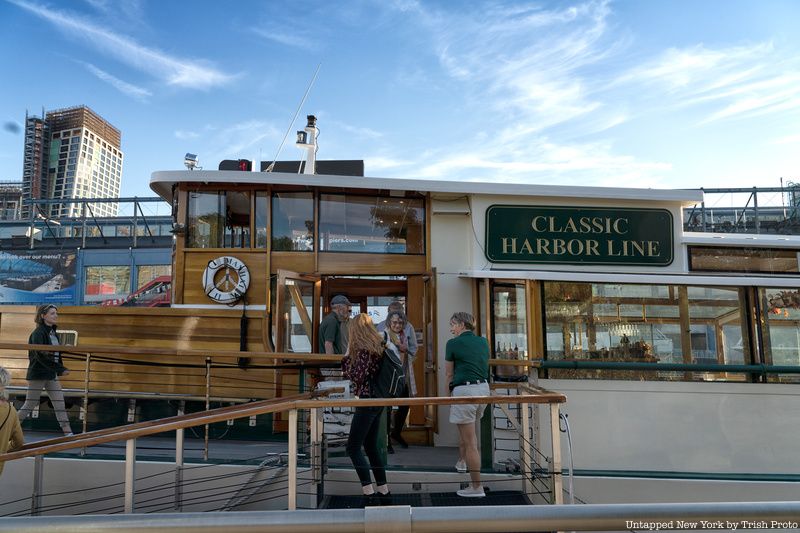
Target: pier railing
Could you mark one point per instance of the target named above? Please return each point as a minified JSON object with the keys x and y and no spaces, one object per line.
{"x":313,"y":452}
{"x":728,"y":516}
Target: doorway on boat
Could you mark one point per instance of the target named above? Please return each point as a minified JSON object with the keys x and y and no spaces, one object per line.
{"x":302,"y":301}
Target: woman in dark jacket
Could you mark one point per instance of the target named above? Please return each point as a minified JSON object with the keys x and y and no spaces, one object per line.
{"x":365,"y":350}
{"x":44,"y":367}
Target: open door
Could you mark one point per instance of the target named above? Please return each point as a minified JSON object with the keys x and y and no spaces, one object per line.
{"x":296,"y":319}
{"x":296,"y":312}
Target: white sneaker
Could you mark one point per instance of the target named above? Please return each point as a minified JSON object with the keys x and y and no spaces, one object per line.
{"x":471,"y":492}
{"x":461,"y":466}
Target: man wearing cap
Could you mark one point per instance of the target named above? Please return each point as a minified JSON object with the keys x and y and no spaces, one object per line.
{"x":330,"y":329}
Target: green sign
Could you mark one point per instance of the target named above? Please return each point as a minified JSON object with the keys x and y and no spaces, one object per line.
{"x":578,"y":235}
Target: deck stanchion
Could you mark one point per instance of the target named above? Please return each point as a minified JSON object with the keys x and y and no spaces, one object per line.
{"x":130,"y":474}
{"x":555,"y":438}
{"x":525,"y":450}
{"x":314,"y":445}
{"x":38,"y":476}
{"x":292,"y":460}
{"x":208,"y":406}
{"x":85,"y":425}
{"x":179,"y":461}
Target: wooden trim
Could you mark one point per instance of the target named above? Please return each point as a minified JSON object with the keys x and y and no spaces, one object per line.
{"x":293,"y":261}
{"x":315,"y":199}
{"x":179,"y":262}
{"x":537,"y":341}
{"x":268,"y":273}
{"x":428,"y":219}
{"x":224,"y":251}
{"x":275,"y":405}
{"x":433,"y":311}
{"x":476,"y":305}
{"x":487,"y":301}
{"x":297,"y":300}
{"x":370,"y":264}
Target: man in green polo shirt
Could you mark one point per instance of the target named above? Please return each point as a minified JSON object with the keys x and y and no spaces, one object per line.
{"x":467,"y":372}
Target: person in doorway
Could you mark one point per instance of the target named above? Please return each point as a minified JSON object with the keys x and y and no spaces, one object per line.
{"x":11,"y":438}
{"x":396,"y":334}
{"x":360,"y":366}
{"x":410,"y":336}
{"x":45,"y":367}
{"x":330,"y":329}
{"x":467,"y":372}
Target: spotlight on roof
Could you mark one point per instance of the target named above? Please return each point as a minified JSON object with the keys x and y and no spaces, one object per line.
{"x":190,"y":160}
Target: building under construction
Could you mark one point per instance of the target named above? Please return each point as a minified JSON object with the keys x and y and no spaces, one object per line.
{"x":71,"y":153}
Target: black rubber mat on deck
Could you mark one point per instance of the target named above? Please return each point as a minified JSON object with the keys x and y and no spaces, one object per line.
{"x":426,"y":499}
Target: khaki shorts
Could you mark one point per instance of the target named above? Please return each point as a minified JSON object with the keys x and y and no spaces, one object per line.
{"x":468,"y":413}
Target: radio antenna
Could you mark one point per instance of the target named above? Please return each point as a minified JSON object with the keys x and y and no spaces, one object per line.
{"x":291,"y":124}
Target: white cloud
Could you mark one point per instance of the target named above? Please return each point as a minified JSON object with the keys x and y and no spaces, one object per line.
{"x":361,"y":132}
{"x":383,"y":163}
{"x":185,"y":135}
{"x":788,"y":139}
{"x":292,"y":38}
{"x":185,"y":73}
{"x":245,"y":140}
{"x":124,"y":87}
{"x":554,"y":92}
{"x":725,"y":83}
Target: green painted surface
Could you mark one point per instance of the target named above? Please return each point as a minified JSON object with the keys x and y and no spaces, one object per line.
{"x":579,"y":235}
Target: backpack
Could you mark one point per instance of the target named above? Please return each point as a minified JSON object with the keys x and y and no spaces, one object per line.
{"x":390,"y":380}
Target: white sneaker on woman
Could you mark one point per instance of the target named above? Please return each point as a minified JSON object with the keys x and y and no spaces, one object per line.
{"x":461,"y":466}
{"x":471,"y":492}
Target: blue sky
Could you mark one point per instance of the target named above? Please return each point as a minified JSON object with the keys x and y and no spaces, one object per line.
{"x":655,"y":93}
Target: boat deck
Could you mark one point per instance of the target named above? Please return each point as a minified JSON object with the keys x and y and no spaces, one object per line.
{"x":428,"y":458}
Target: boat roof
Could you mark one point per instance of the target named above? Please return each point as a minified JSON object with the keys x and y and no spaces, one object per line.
{"x":162,"y":182}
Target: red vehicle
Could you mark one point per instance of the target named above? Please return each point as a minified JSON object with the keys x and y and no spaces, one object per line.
{"x":155,"y":293}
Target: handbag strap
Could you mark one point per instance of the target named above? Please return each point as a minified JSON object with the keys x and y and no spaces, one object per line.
{"x":8,"y":413}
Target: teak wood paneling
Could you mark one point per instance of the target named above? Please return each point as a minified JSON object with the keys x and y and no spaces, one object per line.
{"x":196,"y":261}
{"x":200,"y":329}
{"x":370,"y":264}
{"x":302,"y":262}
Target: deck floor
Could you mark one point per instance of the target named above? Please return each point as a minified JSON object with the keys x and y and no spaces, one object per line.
{"x":426,"y":499}
{"x":429,"y":458}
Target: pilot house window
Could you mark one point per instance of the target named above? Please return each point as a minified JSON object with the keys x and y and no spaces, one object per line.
{"x":218,"y":220}
{"x":382,"y":225}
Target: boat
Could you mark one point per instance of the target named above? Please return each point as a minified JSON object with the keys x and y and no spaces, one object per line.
{"x":678,"y":351}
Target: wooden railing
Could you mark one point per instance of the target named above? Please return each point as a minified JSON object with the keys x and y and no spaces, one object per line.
{"x":293,"y":404}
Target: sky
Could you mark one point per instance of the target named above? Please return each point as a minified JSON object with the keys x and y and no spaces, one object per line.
{"x":657,"y":93}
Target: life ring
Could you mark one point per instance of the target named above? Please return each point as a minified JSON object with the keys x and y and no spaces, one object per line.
{"x":232,"y":285}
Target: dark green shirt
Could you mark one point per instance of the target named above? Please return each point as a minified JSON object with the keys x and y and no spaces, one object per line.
{"x":330,"y":330}
{"x":470,"y":356}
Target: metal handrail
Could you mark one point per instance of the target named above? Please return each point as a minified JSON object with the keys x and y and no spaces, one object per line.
{"x":287,"y":403}
{"x":404,"y":519}
{"x":293,"y":405}
{"x":669,"y":367}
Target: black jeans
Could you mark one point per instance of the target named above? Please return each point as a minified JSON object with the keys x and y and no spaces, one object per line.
{"x":399,"y":416}
{"x":364,"y":432}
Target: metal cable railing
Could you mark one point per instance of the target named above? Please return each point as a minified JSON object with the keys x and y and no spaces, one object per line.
{"x":302,"y":455}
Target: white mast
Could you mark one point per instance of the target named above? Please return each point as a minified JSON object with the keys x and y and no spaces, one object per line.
{"x":307,"y":139}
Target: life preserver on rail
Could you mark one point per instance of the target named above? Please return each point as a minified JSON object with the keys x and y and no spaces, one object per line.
{"x":231,"y":283}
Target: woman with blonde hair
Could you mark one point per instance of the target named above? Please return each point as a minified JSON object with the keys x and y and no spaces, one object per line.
{"x":11,"y":438}
{"x":360,"y":365}
{"x":44,"y":367}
